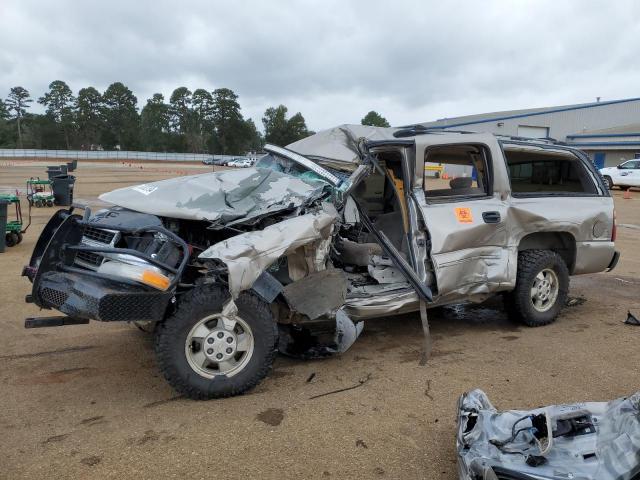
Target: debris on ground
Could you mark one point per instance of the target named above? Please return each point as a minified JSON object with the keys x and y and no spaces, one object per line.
{"x":575,"y":301}
{"x":361,"y":382}
{"x":632,"y":319}
{"x":588,"y":440}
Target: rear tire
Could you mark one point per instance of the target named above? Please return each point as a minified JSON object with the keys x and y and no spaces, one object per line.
{"x":189,"y":341}
{"x":542,"y":286}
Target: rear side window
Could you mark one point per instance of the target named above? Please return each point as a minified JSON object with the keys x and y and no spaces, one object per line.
{"x":456,"y":171}
{"x":547,"y":171}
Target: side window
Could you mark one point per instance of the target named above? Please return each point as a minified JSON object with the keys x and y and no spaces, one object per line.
{"x":456,"y":171}
{"x":547,"y":171}
{"x":632,"y":165}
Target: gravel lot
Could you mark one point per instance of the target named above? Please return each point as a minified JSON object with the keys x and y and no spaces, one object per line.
{"x":88,"y":402}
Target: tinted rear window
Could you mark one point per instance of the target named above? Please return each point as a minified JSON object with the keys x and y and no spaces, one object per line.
{"x":533,"y":172}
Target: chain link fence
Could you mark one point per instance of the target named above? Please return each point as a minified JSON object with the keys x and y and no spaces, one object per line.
{"x":114,"y":155}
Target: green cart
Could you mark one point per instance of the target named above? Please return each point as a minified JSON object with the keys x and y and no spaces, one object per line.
{"x":14,"y":228}
{"x":40,"y":192}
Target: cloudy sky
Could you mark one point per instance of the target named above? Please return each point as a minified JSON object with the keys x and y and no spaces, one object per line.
{"x":333,"y":61}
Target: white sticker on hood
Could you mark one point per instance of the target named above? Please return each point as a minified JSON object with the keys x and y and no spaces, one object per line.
{"x":145,"y":189}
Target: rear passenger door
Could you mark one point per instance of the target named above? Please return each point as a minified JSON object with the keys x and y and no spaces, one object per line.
{"x":465,"y":219}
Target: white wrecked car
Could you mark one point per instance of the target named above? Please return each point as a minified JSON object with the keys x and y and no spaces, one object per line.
{"x":581,"y":441}
{"x":345,"y":225}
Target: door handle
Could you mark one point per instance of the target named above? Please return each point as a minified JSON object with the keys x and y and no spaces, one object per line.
{"x":491,"y":217}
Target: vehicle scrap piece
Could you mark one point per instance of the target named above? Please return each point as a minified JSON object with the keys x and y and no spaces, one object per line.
{"x":632,"y":319}
{"x":589,"y":440}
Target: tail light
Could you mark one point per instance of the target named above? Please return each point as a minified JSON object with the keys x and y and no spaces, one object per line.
{"x":614,"y":228}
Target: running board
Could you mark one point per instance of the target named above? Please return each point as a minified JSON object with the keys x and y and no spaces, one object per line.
{"x":42,"y":322}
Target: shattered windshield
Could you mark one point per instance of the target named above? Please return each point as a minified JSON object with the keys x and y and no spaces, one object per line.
{"x":282,"y":164}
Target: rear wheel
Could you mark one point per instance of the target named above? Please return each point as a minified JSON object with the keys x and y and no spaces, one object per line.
{"x":542,"y":285}
{"x":20,"y":237}
{"x":39,"y":204}
{"x":49,"y":203}
{"x":608,"y":181}
{"x":207,"y":349}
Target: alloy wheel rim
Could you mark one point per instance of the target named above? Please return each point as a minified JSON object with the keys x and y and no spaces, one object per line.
{"x":219,"y":344}
{"x":545,"y":290}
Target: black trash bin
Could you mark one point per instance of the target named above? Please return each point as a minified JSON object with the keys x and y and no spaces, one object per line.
{"x":75,"y":163}
{"x":63,"y":169}
{"x":3,"y":223}
{"x":70,"y":167}
{"x":63,"y":189}
{"x":52,"y":171}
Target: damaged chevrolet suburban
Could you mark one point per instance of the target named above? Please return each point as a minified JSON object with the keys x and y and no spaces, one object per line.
{"x":293,"y":254}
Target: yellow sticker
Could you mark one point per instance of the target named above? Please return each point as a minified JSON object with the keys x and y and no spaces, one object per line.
{"x":463,"y":215}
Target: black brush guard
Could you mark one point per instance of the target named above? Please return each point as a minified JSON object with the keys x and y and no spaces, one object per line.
{"x":85,"y":294}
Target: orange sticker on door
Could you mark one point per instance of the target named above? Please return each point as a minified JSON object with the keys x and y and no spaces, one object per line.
{"x":464,"y":215}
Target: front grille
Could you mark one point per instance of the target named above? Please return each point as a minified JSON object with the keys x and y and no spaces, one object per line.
{"x":95,"y":237}
{"x":98,"y":235}
{"x":55,"y":298}
{"x":90,"y":258}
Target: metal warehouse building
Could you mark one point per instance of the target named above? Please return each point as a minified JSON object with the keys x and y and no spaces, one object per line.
{"x":609,"y":131}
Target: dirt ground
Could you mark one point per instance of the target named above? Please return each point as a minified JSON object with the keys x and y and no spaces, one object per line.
{"x":87,"y":401}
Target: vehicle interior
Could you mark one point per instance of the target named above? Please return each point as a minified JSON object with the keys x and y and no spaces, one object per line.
{"x":381,"y":198}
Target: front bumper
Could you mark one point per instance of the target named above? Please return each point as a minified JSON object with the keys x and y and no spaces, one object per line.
{"x":93,"y":298}
{"x":84,"y":294}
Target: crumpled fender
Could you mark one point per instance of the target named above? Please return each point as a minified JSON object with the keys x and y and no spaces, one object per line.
{"x":249,"y":254}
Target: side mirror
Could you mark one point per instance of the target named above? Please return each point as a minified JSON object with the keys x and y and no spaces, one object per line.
{"x":619,"y":166}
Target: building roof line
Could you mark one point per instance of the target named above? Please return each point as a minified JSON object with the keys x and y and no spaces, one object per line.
{"x":532,"y":114}
{"x":604,"y":135}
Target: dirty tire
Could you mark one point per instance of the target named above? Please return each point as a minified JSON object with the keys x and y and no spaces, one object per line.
{"x":171,"y":335}
{"x":608,"y":182}
{"x":11,"y":239}
{"x":518,"y":303}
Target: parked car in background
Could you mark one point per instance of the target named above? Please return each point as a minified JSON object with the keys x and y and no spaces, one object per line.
{"x":627,"y":174}
{"x":240,"y":163}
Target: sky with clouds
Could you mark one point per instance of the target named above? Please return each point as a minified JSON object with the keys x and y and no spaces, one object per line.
{"x":412,"y":61}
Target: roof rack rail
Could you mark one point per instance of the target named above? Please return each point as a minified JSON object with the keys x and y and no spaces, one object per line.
{"x":549,"y":140}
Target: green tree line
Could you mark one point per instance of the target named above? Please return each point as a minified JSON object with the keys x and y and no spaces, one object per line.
{"x":196,"y":121}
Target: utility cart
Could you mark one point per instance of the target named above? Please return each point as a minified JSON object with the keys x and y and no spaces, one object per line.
{"x":14,"y":228}
{"x":40,"y":192}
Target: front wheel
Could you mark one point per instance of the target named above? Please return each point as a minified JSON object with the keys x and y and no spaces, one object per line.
{"x":608,"y":181}
{"x":209,"y":349}
{"x":542,"y":286}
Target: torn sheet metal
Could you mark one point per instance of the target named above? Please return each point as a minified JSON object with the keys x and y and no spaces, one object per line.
{"x":317,"y":294}
{"x":249,"y":254}
{"x":222,"y":198}
{"x":339,"y":145}
{"x":587,"y":441}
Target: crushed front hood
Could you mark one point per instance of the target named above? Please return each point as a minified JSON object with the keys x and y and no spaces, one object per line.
{"x":339,"y":145}
{"x":222,"y":198}
{"x":589,"y":441}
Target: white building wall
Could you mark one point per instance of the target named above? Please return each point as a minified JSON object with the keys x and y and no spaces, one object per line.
{"x":561,"y":123}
